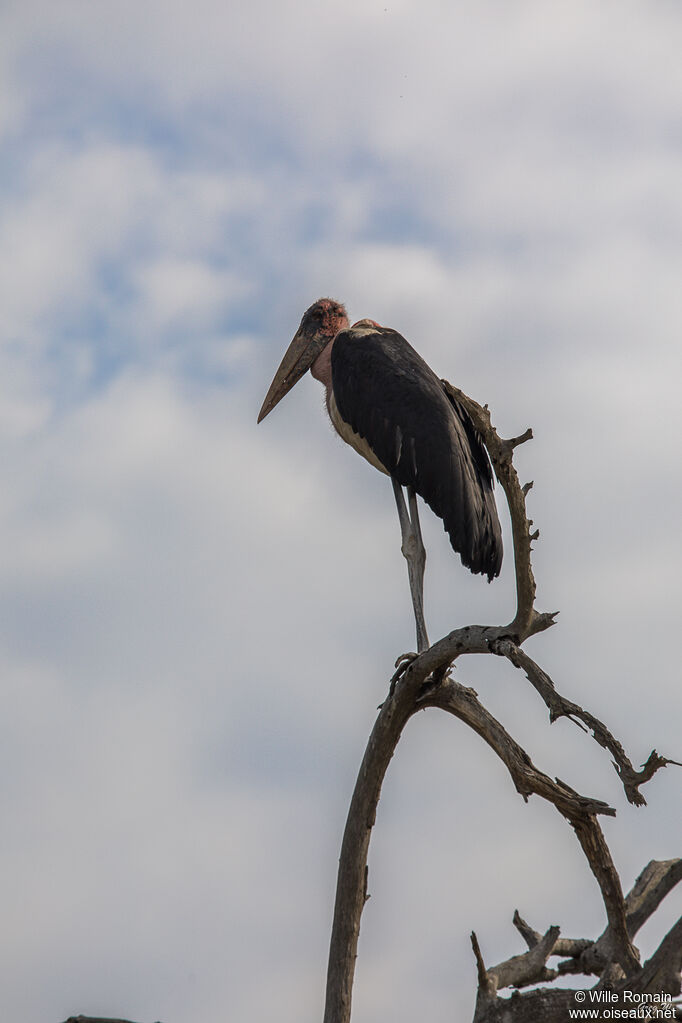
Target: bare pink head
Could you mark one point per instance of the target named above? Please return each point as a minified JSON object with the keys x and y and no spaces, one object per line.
{"x":319,"y":326}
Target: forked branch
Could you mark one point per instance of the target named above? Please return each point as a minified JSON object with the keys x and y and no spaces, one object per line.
{"x":559,"y":706}
{"x":423,"y":681}
{"x":659,"y":976}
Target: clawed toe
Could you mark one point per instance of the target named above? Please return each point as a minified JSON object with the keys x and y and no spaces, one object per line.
{"x":430,"y":683}
{"x":401,"y":666}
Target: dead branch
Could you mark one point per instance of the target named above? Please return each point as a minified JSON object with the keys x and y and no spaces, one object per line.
{"x":655,"y":882}
{"x":528,"y":780}
{"x":423,"y":681}
{"x":559,"y":706}
{"x":527,"y":620}
{"x":660,"y":974}
{"x":95,"y":1019}
{"x":528,"y":968}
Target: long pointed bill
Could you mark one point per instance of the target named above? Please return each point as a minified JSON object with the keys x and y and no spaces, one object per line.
{"x":299,"y":357}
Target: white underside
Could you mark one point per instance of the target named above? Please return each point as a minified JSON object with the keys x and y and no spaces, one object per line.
{"x":348,"y":434}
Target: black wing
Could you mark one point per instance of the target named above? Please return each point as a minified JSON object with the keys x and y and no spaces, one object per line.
{"x":386,"y":392}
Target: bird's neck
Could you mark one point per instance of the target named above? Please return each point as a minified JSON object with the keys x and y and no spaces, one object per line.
{"x":321,"y":369}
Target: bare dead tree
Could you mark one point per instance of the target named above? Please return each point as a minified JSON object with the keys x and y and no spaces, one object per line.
{"x":424,"y":681}
{"x":95,"y":1019}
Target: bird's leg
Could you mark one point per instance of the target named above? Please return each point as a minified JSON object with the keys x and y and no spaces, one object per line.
{"x":420,"y":564}
{"x":415,"y":555}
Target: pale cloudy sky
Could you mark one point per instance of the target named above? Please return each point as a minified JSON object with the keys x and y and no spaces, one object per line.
{"x":199,"y":617}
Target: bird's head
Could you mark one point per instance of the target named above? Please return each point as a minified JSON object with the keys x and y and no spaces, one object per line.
{"x":319,"y":326}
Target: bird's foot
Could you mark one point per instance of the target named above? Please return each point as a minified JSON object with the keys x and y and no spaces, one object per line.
{"x":401,"y":666}
{"x":404,"y":661}
{"x":431,"y":682}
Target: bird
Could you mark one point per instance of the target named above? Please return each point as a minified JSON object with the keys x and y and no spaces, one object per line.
{"x":388,"y":404}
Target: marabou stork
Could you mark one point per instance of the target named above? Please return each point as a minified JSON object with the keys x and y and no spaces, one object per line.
{"x":385,"y":402}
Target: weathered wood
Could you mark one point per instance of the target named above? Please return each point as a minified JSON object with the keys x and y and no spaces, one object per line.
{"x":559,"y":706}
{"x":96,"y":1019}
{"x":422,"y":681}
{"x":657,"y":879}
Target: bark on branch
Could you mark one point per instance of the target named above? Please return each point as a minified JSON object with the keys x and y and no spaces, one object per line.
{"x":559,"y":706}
{"x":95,"y":1019}
{"x":659,"y":975}
{"x":423,"y":681}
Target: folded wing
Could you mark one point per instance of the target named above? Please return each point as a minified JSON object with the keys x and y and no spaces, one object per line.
{"x":424,"y":438}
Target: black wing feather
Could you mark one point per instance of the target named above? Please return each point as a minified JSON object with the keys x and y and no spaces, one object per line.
{"x":386,"y":392}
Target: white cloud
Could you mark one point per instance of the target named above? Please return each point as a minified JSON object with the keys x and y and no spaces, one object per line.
{"x":199,"y":618}
{"x":184,"y":294}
